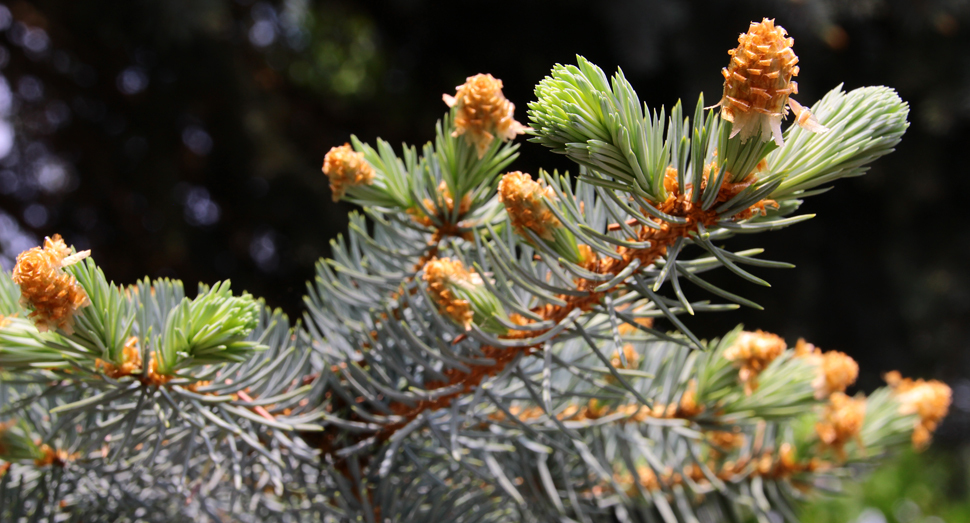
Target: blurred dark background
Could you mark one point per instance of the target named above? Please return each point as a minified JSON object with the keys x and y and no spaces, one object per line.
{"x":184,"y":138}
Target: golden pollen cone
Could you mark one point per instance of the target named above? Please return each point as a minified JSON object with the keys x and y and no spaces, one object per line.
{"x":346,"y":168}
{"x":836,"y":370}
{"x":752,"y":352}
{"x":440,"y":274}
{"x":483,"y":113}
{"x":930,"y":400}
{"x":53,"y":295}
{"x":758,"y":84}
{"x":841,"y":421}
{"x":523,"y":200}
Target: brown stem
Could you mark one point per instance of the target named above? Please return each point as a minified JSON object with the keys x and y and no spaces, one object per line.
{"x":660,"y":239}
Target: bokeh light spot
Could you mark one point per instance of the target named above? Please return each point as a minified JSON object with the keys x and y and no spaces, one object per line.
{"x":197,"y":140}
{"x":262,"y":33}
{"x":35,"y":215}
{"x":37,"y":40}
{"x":200,"y":210}
{"x":52,"y":176}
{"x":5,"y":18}
{"x":30,"y":88}
{"x":264,"y":251}
{"x":132,"y":80}
{"x":9,"y":182}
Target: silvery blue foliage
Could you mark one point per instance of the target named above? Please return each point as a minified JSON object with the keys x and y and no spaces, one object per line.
{"x":379,"y":406}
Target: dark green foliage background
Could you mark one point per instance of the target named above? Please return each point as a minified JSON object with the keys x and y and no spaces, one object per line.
{"x":882,"y":271}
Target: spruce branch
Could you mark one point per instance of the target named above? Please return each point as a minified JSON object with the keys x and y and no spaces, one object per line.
{"x":482,"y":346}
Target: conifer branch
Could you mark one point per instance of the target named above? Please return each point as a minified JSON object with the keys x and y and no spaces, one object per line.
{"x":482,"y":345}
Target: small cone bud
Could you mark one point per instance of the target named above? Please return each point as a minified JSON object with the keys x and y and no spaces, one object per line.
{"x":346,"y":168}
{"x":631,"y":356}
{"x":131,"y":361}
{"x":442,"y":207}
{"x":461,"y":295}
{"x":758,"y":84}
{"x":527,"y":203}
{"x":753,"y":352}
{"x":841,"y":421}
{"x":52,"y":295}
{"x":524,"y":200}
{"x":836,"y":370}
{"x":483,"y":113}
{"x":439,"y":273}
{"x":930,"y":400}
